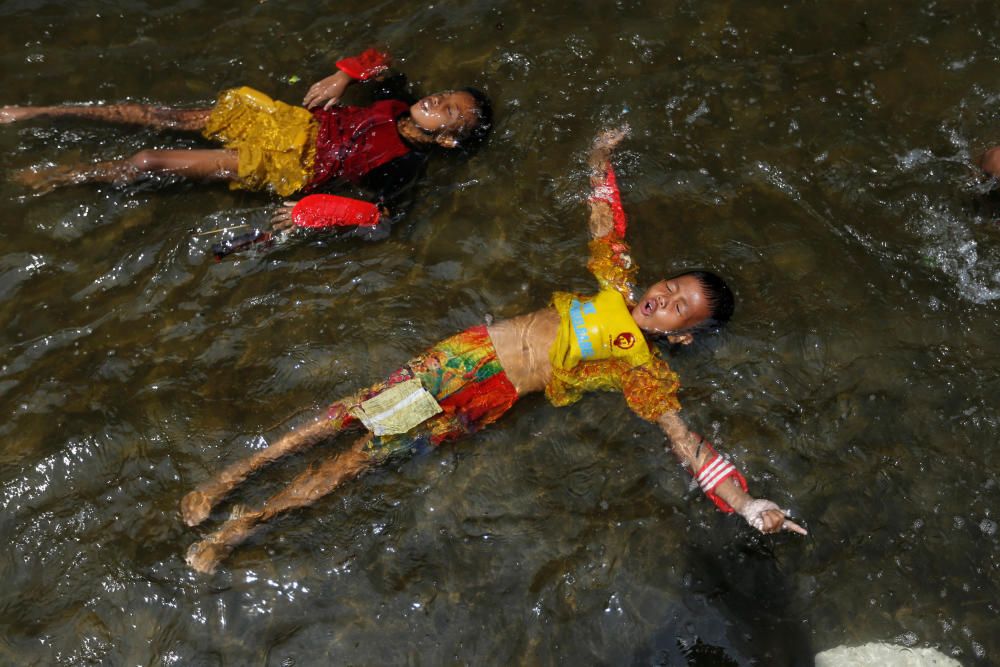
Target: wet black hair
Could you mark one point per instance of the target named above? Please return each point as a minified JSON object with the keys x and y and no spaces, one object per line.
{"x":474,"y":136}
{"x":721,"y":302}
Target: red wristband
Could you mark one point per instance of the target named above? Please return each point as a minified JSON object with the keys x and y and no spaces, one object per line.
{"x":364,"y":66}
{"x":320,"y":211}
{"x":715,"y":471}
{"x":607,"y":191}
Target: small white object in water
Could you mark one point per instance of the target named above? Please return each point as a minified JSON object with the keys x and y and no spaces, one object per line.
{"x":883,"y":655}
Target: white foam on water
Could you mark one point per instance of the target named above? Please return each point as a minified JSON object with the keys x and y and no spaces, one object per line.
{"x":952,"y":248}
{"x":883,"y":655}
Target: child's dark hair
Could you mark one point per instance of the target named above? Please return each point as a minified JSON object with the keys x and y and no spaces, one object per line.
{"x":721,"y":302}
{"x":477,"y":134}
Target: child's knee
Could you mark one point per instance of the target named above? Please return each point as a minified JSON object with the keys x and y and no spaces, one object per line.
{"x":990,"y":161}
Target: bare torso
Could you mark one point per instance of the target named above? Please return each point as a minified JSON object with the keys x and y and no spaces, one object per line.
{"x":522,"y":345}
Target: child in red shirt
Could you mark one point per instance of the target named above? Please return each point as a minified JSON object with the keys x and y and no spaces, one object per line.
{"x":268,"y":144}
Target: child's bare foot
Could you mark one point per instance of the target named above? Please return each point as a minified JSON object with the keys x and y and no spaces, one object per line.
{"x":12,"y":114}
{"x":204,"y":556}
{"x":196,"y":506}
{"x":47,"y":179}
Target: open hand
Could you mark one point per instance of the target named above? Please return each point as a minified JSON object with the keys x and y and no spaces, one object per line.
{"x":326,"y":91}
{"x":608,"y":140}
{"x":767,"y":517}
{"x":281,"y":219}
{"x":605,"y":142}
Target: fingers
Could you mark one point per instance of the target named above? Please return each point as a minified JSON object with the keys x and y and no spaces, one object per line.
{"x":774,"y":521}
{"x":770,"y":521}
{"x":793,"y":527}
{"x":606,"y":142}
{"x":322,"y":98}
{"x":613,"y":137}
{"x":281,"y":225}
{"x":313,"y":96}
{"x":281,"y":219}
{"x":322,"y":92}
{"x":315,"y":101}
{"x":616,"y":138}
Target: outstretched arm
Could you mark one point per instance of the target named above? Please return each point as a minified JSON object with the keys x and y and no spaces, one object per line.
{"x":606,"y":213}
{"x":721,"y":481}
{"x":610,"y":261}
{"x":328,"y":91}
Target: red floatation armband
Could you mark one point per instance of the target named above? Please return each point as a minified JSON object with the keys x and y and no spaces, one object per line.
{"x":321,"y":211}
{"x":364,"y":66}
{"x":715,"y":471}
{"x":607,"y":191}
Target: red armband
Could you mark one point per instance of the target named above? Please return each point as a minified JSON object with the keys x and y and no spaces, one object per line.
{"x":715,"y":471}
{"x":607,"y":191}
{"x":320,"y":211}
{"x":364,"y":66}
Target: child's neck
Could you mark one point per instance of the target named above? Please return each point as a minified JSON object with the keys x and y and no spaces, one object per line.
{"x":413,"y":134}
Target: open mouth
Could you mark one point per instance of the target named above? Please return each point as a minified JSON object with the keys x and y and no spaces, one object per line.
{"x":649,"y":307}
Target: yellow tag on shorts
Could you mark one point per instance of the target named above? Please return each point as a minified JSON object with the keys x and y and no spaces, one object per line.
{"x":397,"y":409}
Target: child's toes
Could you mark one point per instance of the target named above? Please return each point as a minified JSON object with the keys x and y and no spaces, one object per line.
{"x":203,"y":556}
{"x":12,"y":114}
{"x":44,"y":180}
{"x":195,"y":508}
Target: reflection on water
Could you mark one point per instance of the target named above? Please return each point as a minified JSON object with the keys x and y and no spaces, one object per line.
{"x":818,"y":155}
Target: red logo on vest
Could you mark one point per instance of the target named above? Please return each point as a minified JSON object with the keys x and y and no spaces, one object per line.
{"x":624,"y":340}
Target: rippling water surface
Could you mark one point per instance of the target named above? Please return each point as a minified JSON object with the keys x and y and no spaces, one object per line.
{"x":817,"y":153}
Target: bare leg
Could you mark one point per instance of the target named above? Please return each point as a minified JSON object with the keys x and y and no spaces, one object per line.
{"x":199,"y":165}
{"x":304,"y":490}
{"x":161,"y":118}
{"x":196,"y":505}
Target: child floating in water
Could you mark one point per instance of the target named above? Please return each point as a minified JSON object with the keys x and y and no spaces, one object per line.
{"x":579,"y":344}
{"x":269,"y":144}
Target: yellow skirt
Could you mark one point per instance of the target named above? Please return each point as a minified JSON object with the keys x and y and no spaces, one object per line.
{"x":276,"y":142}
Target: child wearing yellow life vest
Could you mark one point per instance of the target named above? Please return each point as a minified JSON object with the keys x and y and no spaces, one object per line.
{"x":579,"y":344}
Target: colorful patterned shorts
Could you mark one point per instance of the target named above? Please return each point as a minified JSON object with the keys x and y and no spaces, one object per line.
{"x":466,"y":379}
{"x":276,"y":142}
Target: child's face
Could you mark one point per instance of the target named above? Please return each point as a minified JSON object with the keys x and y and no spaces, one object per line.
{"x":445,"y":114}
{"x":672,"y":305}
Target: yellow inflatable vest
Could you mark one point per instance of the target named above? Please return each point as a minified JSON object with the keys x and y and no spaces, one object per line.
{"x":596,"y":328}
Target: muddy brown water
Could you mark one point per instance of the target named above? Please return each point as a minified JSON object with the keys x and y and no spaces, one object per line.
{"x":816,"y":154}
